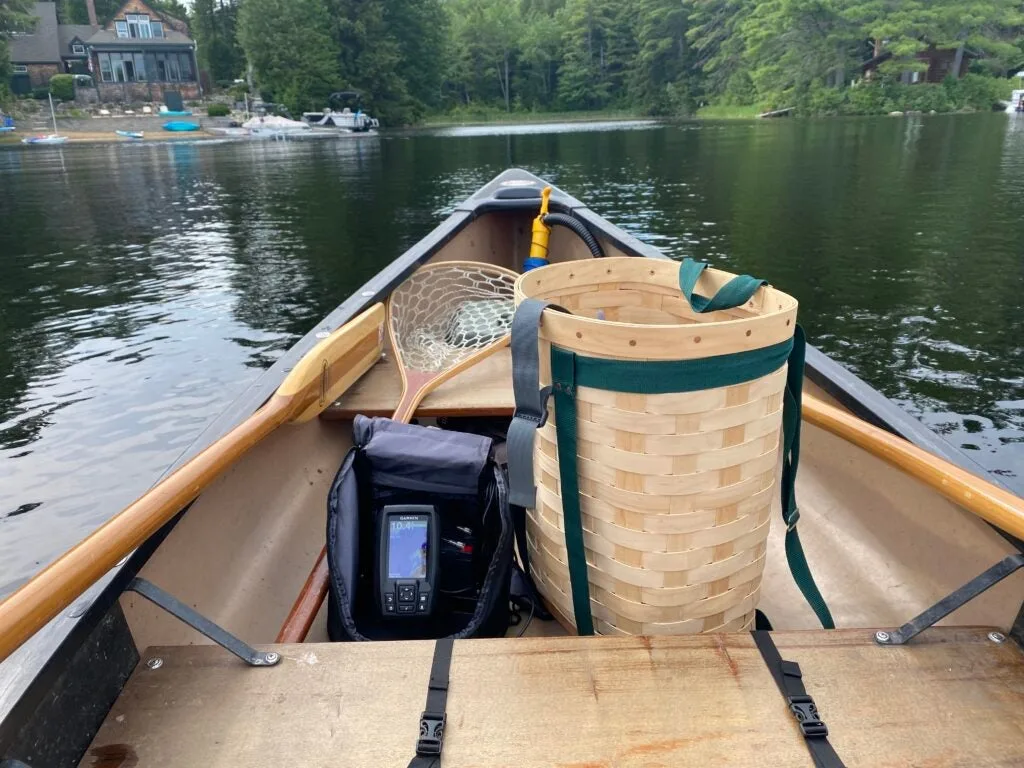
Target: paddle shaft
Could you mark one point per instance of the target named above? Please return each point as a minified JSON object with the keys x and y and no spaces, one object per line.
{"x":975,"y":494}
{"x":321,"y":375}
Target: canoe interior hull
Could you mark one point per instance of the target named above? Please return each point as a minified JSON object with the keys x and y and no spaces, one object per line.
{"x":882,"y":547}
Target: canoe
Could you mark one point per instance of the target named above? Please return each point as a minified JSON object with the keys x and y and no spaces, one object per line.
{"x":180,"y":125}
{"x":131,"y":134}
{"x":175,"y":113}
{"x":891,"y":520}
{"x":50,"y":139}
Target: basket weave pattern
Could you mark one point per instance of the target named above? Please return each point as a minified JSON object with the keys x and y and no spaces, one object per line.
{"x":676,"y":490}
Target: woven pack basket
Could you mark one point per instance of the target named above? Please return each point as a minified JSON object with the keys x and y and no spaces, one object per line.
{"x":676,"y":442}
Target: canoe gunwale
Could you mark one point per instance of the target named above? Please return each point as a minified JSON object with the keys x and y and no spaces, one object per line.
{"x":52,"y":652}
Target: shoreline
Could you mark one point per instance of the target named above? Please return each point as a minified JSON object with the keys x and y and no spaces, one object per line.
{"x":531,"y":118}
{"x":107,"y":137}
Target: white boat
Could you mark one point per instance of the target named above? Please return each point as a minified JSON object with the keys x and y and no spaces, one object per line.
{"x":48,"y":139}
{"x":345,"y":119}
{"x":274,"y":126}
{"x":52,"y":138}
{"x":131,"y":134}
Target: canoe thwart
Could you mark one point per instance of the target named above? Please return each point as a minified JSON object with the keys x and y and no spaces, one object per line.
{"x":542,"y":701}
{"x":483,"y":390}
{"x":940,"y":610}
{"x":200,"y":623}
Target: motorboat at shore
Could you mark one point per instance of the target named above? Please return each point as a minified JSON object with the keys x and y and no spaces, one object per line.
{"x":344,"y":118}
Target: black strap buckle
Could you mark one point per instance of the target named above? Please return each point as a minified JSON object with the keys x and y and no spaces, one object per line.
{"x":526,"y":413}
{"x":431,"y":734}
{"x":806,"y":713}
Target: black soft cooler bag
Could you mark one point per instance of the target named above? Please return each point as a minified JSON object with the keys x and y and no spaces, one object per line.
{"x":395,"y":463}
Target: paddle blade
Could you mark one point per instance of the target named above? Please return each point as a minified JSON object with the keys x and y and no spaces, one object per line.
{"x":334,"y":364}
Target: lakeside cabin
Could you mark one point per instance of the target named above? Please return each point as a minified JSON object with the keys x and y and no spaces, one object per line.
{"x":136,"y":56}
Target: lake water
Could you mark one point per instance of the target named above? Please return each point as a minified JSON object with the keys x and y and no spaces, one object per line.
{"x":142,"y":287}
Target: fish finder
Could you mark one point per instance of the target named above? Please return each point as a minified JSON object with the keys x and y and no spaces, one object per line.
{"x":408,"y":550}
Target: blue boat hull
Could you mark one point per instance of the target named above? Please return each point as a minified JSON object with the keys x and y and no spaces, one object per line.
{"x":175,"y":125}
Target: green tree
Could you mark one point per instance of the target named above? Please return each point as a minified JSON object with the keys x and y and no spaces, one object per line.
{"x":719,"y":48}
{"x":599,"y":46}
{"x":288,"y":43}
{"x":214,"y":27}
{"x":15,"y":16}
{"x":794,"y":45}
{"x":392,"y":51}
{"x":74,"y":11}
{"x":660,"y":79}
{"x":541,"y":55}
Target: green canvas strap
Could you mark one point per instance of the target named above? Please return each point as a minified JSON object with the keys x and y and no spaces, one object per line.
{"x":570,"y":370}
{"x":734,"y":293}
{"x":791,"y":418}
{"x":563,"y":389}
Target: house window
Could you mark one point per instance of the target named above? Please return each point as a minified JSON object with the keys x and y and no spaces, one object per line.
{"x":157,"y":28}
{"x":915,"y":77}
{"x":138,"y":25}
{"x":78,"y":49}
{"x":19,"y":69}
{"x":121,"y":27}
{"x":106,"y":75}
{"x":186,"y":67}
{"x":121,"y":67}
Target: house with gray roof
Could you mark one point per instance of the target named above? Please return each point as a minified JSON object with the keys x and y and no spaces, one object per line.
{"x":136,"y":56}
{"x":35,"y":56}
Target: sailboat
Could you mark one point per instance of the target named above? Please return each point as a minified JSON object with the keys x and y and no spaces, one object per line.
{"x":53,"y":138}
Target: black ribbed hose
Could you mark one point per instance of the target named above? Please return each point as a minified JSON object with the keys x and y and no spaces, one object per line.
{"x":579,"y":228}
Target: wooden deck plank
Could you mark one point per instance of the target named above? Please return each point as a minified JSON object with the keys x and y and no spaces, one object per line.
{"x":952,"y":698}
{"x":483,"y":390}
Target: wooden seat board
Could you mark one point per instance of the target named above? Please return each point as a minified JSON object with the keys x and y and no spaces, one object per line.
{"x":952,"y":697}
{"x":483,"y":390}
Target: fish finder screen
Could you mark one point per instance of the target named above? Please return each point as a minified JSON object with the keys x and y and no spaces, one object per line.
{"x":407,"y":549}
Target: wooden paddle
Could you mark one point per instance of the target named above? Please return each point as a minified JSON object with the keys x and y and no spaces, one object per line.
{"x":445,"y":318}
{"x":975,"y":494}
{"x":326,"y":371}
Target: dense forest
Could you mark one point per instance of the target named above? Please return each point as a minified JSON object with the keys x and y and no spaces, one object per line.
{"x":659,"y":57}
{"x":411,"y":58}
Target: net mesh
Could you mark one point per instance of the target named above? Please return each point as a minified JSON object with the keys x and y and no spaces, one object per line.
{"x":446,"y":312}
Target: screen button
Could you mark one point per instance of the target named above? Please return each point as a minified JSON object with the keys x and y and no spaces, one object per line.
{"x":406,"y":593}
{"x":406,"y":608}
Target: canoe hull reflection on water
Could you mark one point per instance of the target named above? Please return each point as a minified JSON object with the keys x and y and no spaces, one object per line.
{"x":882,"y":545}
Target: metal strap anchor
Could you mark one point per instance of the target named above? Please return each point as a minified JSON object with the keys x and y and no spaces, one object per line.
{"x":1008,"y":565}
{"x":200,"y":623}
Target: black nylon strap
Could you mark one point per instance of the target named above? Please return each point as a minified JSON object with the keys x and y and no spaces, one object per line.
{"x":432,"y":721}
{"x":790,"y":681}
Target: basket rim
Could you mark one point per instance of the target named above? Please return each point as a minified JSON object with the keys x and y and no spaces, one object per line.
{"x":787,"y":303}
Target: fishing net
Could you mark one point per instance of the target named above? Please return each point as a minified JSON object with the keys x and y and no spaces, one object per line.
{"x":448,"y":311}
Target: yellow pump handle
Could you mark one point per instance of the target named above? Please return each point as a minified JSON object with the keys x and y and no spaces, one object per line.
{"x":541,"y":234}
